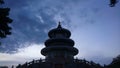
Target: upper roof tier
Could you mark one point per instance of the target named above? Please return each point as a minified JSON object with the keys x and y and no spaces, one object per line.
{"x":59,"y":32}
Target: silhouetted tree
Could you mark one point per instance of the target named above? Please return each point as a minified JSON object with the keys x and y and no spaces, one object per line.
{"x":4,"y":21}
{"x":1,"y":2}
{"x":113,"y":2}
{"x":115,"y":63}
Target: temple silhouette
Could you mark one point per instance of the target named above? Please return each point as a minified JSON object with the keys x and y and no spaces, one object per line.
{"x":59,"y":53}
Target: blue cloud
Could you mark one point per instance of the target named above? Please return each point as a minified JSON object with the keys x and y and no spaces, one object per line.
{"x":32,"y":19}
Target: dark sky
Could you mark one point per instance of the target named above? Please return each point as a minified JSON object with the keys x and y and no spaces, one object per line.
{"x":93,"y":24}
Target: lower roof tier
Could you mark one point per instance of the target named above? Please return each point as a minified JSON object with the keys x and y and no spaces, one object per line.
{"x":72,"y":50}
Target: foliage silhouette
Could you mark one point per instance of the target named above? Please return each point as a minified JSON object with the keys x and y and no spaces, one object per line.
{"x":1,"y":2}
{"x":4,"y":21}
{"x":115,"y":63}
{"x":112,"y":3}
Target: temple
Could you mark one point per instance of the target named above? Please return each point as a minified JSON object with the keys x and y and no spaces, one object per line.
{"x":59,"y":47}
{"x":59,"y":52}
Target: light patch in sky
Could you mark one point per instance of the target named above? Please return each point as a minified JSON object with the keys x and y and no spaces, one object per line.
{"x":95,"y":42}
{"x":40,"y":19}
{"x":23,"y":55}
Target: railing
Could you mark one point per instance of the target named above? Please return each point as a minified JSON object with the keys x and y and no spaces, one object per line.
{"x":78,"y":61}
{"x":30,"y":63}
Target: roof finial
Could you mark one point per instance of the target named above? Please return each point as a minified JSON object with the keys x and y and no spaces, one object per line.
{"x":59,"y":25}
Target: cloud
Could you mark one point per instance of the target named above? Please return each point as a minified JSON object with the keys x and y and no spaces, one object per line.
{"x":22,"y":55}
{"x":94,"y":26}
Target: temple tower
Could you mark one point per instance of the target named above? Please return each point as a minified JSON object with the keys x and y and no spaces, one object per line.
{"x":59,"y":47}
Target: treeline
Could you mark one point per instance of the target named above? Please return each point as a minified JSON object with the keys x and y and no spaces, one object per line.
{"x":115,"y":63}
